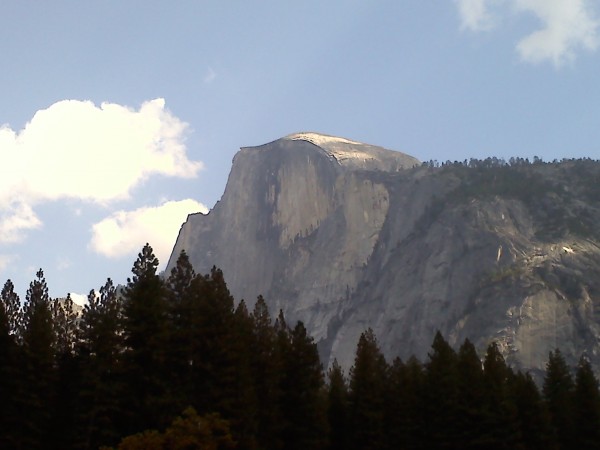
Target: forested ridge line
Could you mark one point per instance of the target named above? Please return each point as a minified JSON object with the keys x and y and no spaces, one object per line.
{"x":172,"y":362}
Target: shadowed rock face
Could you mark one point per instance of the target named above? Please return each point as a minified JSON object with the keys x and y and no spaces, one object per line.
{"x":344,"y":236}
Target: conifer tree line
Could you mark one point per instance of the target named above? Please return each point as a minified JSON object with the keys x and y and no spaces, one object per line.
{"x":173,"y":363}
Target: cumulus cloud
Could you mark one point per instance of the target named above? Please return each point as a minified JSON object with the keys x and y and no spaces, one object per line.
{"x":567,"y":26}
{"x":124,"y":233}
{"x":15,"y":219}
{"x":75,"y":149}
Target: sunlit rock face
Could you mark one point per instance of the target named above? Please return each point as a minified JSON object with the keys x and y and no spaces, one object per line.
{"x":298,"y":222}
{"x":343,"y":236}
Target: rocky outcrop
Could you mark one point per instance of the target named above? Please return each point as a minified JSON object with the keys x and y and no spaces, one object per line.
{"x":344,"y":236}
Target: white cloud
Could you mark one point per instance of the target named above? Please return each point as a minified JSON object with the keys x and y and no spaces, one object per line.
{"x":15,"y":219}
{"x":567,"y":26}
{"x":124,"y":233}
{"x":210,"y":76}
{"x":475,"y":15}
{"x":75,"y":149}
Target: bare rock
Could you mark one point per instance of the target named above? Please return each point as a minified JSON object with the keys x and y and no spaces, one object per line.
{"x":343,"y":236}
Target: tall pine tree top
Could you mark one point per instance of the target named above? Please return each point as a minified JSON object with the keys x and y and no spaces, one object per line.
{"x":181,"y":277}
{"x":38,"y":332}
{"x":145,"y":265}
{"x":12,"y":307}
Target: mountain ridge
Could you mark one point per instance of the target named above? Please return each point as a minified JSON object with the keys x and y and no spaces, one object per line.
{"x":472,"y":249}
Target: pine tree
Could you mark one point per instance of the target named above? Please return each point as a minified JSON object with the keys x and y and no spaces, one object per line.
{"x":368,"y":378}
{"x":501,"y":424}
{"x":337,"y":408}
{"x":218,"y":309}
{"x":64,"y":320}
{"x":266,"y":373}
{"x":101,"y":328}
{"x":533,"y":423}
{"x":211,"y":358}
{"x":442,"y":396}
{"x":211,"y":361}
{"x":403,"y":405}
{"x":245,"y":423}
{"x":180,"y":309}
{"x":224,"y":369}
{"x":68,"y":376}
{"x":302,"y":387}
{"x":145,"y":328}
{"x":39,"y":335}
{"x":558,"y":392}
{"x":281,"y":347}
{"x":12,"y":309}
{"x":587,"y":407}
{"x":181,"y":277}
{"x":10,"y":374}
{"x":414,"y":378}
{"x":39,"y":344}
{"x":100,"y":346}
{"x":471,"y":407}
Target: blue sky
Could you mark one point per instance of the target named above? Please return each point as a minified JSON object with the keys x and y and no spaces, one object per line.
{"x":118,"y":118}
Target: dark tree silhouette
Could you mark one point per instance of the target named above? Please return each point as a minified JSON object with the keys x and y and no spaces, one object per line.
{"x":558,"y":392}
{"x":368,"y":378}
{"x":145,"y":339}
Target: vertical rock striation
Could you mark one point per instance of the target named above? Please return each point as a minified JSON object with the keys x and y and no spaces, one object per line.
{"x":343,"y":236}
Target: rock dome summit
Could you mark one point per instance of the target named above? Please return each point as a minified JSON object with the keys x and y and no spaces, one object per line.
{"x":344,"y":236}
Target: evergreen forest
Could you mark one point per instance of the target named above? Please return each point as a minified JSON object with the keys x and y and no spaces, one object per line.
{"x":174,"y":362}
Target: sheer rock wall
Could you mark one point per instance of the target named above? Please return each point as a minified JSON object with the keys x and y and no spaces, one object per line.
{"x":344,"y":236}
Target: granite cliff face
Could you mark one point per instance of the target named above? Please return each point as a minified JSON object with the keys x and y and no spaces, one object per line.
{"x":345,"y":236}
